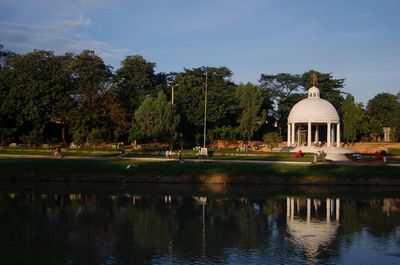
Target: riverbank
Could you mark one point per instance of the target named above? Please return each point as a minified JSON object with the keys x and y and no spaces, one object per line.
{"x":195,"y":171}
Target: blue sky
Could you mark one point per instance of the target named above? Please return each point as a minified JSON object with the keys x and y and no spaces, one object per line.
{"x":357,"y":40}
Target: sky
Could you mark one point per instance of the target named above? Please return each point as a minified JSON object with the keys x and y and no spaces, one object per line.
{"x":358,"y":40}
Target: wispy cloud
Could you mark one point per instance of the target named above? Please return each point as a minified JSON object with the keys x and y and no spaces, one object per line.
{"x":55,"y":27}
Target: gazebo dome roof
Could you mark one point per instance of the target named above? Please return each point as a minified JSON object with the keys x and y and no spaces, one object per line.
{"x":313,"y":109}
{"x":311,"y":236}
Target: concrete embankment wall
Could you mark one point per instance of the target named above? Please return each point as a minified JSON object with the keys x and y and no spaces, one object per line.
{"x":371,"y":148}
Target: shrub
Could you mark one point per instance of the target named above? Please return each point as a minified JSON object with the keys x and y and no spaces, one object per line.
{"x":272,"y":139}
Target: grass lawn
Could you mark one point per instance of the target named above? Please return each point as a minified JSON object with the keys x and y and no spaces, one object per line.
{"x":267,"y":157}
{"x":27,"y":151}
{"x":230,"y":155}
{"x":215,"y":154}
{"x":144,"y":154}
{"x":393,"y":160}
{"x":91,"y":154}
{"x":192,"y":172}
{"x":394,"y":151}
{"x":65,"y":152}
{"x":368,"y":158}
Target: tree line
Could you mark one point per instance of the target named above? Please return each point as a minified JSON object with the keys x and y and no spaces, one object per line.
{"x":49,"y":98}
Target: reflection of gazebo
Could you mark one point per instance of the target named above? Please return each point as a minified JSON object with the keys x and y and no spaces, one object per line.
{"x":311,"y":233}
{"x":312,"y":113}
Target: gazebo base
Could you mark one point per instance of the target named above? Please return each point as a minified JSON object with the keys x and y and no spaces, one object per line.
{"x":327,"y":150}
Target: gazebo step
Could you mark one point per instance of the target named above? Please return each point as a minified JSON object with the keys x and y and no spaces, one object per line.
{"x":327,"y":150}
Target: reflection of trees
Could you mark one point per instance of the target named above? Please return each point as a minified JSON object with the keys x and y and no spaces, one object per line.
{"x":371,"y":215}
{"x":94,"y":229}
{"x":152,"y":224}
{"x":27,"y":230}
{"x":234,"y":225}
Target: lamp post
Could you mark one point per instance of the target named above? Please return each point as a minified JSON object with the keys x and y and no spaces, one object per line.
{"x":205,"y":112}
{"x":203,"y":150}
{"x":173,"y":93}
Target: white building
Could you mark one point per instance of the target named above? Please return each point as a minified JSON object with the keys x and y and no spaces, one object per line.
{"x":314,"y":232}
{"x":313,"y":114}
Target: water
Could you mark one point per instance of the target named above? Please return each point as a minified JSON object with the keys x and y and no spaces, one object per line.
{"x":182,"y":224}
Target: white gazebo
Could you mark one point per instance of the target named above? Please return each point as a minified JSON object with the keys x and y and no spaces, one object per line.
{"x":315,"y":231}
{"x":312,"y":113}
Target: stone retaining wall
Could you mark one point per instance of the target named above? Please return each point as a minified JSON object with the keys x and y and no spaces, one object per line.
{"x":367,"y":148}
{"x":371,"y":148}
{"x":249,"y":145}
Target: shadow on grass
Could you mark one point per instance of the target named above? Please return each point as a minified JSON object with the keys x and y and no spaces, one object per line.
{"x":192,"y":172}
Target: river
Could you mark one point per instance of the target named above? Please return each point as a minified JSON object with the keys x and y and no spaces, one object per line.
{"x":82,"y":223}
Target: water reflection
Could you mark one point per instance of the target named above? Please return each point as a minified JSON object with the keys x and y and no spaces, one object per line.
{"x":312,"y":232}
{"x":175,"y":227}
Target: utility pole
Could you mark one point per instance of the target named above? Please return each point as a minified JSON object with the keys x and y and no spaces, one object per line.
{"x":205,"y":112}
{"x":172,"y":95}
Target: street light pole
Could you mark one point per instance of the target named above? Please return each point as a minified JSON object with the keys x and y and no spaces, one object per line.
{"x":205,"y":112}
{"x":173,"y":93}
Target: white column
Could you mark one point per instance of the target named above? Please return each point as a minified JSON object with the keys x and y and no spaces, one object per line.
{"x":316,"y":133}
{"x":308,"y":210}
{"x":328,"y":210}
{"x":288,"y":134}
{"x":292,"y":209}
{"x":299,"y":135}
{"x":338,"y":135}
{"x":328,"y":135}
{"x":287,"y":207}
{"x":293,"y":128}
{"x":315,"y":206}
{"x":337,"y":209}
{"x":309,"y":134}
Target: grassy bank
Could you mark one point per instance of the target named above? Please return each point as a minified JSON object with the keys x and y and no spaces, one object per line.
{"x":33,"y":169}
{"x":231,"y":155}
{"x":65,"y":152}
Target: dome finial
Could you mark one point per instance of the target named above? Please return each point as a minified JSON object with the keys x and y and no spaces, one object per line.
{"x":314,"y":79}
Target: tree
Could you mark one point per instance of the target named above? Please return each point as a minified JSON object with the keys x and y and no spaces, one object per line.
{"x":354,"y":120}
{"x":281,"y":86}
{"x":156,"y":119}
{"x":384,"y":109}
{"x":221,"y":133}
{"x":63,"y":104}
{"x":285,"y":90}
{"x":8,"y":127}
{"x":35,"y":85}
{"x":90,"y":79}
{"x":5,"y":57}
{"x":222,"y":105}
{"x":330,"y":88}
{"x":252,"y":116}
{"x":272,"y":140}
{"x":281,"y":91}
{"x":134,"y":81}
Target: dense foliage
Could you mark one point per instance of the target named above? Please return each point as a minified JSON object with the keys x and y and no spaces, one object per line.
{"x":49,"y":98}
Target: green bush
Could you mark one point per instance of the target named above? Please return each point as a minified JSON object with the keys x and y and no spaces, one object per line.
{"x":94,"y":137}
{"x":222,"y":133}
{"x":32,"y":138}
{"x":78,"y":137}
{"x":272,"y":140}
